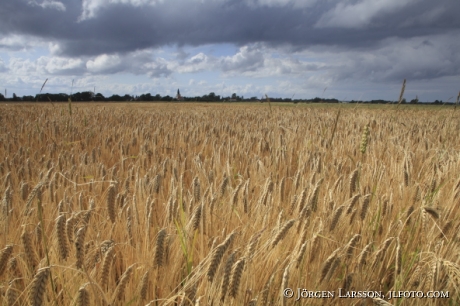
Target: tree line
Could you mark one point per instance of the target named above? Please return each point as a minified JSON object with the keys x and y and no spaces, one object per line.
{"x":89,"y":96}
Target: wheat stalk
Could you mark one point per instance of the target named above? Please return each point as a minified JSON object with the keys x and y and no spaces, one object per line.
{"x":401,"y":95}
{"x":284,"y":283}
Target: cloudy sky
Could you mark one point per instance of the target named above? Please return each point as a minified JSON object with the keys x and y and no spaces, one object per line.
{"x":349,"y":49}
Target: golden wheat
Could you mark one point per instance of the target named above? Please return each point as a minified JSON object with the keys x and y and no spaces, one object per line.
{"x":194,"y":192}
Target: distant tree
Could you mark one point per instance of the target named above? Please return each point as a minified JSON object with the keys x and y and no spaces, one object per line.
{"x":83,"y":96}
{"x":28,"y":98}
{"x":115,"y":98}
{"x":166,"y":98}
{"x":2,"y":97}
{"x":146,"y":97}
{"x":99,"y":97}
{"x":212,"y":97}
{"x":234,"y":96}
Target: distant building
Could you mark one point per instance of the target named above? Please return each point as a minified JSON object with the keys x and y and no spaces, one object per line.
{"x":178,"y":96}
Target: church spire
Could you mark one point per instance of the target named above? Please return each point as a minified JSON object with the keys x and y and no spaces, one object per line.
{"x":178,"y":96}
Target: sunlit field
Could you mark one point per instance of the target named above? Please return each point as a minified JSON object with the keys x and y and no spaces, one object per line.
{"x":229,"y":204}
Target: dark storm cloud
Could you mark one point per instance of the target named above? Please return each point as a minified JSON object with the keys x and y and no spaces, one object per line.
{"x":124,"y":26}
{"x":345,"y":41}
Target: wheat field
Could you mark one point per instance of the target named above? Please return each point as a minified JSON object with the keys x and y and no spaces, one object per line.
{"x":209,"y":204}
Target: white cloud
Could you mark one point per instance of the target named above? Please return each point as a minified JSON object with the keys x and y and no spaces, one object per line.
{"x":198,"y":62}
{"x":248,"y":58}
{"x":57,"y":5}
{"x":59,"y":65}
{"x":55,"y":48}
{"x":104,"y":64}
{"x":2,"y":66}
{"x":20,"y":66}
{"x":259,"y":61}
{"x":14,"y":42}
{"x":356,"y":15}
{"x":138,"y":63}
{"x":156,"y":68}
{"x":50,"y":4}
{"x":45,"y":66}
{"x":90,"y":8}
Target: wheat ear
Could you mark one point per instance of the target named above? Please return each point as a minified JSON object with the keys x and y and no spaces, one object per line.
{"x":5,"y":255}
{"x":159,"y":248}
{"x":327,"y":265}
{"x":352,"y":245}
{"x":216,"y":258}
{"x":226,"y":278}
{"x":111,"y":203}
{"x":38,"y":287}
{"x":80,"y":247}
{"x":83,"y":297}
{"x":196,"y":190}
{"x":106,"y":263}
{"x":120,"y":290}
{"x":282,"y":232}
{"x":61,"y":237}
{"x":144,"y":286}
{"x":12,"y":295}
{"x":353,"y":182}
{"x":28,"y":250}
{"x":235,"y":279}
{"x":336,"y":217}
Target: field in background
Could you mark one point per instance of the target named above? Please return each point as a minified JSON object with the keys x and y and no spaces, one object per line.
{"x":220,"y":204}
